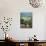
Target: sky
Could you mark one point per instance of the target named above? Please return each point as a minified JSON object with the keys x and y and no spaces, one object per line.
{"x":26,"y":13}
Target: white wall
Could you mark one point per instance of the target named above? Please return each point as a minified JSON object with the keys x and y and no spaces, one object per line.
{"x":12,"y":8}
